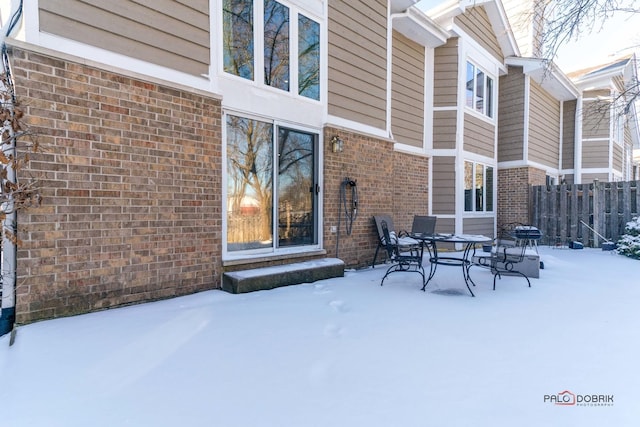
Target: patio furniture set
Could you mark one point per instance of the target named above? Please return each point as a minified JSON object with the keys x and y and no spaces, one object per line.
{"x":405,"y":251}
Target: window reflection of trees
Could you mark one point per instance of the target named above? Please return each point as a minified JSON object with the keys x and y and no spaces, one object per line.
{"x":249,"y":183}
{"x":308,"y":58}
{"x":276,"y":45}
{"x":295,"y":187}
{"x":238,"y":37}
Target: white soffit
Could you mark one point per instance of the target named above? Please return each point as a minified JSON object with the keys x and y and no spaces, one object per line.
{"x":418,"y":27}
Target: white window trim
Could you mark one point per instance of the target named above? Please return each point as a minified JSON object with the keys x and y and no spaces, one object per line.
{"x":484,"y":211}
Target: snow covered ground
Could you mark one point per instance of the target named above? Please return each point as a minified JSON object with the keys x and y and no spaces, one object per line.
{"x":347,"y":352}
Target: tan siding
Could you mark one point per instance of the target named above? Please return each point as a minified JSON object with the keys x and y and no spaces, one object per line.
{"x":568,"y":134}
{"x":162,"y":32}
{"x":445,"y":225}
{"x":444,"y":174}
{"x":618,"y":155}
{"x":544,"y":127}
{"x":595,"y":120}
{"x":445,"y":74}
{"x":357,"y":61}
{"x":590,"y":177}
{"x":482,"y":226}
{"x":475,"y":22}
{"x":444,"y":129}
{"x":407,"y":102}
{"x":511,"y":116}
{"x":595,"y":154}
{"x":479,"y":136}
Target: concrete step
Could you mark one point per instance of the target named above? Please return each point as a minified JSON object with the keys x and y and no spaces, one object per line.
{"x":264,"y":278}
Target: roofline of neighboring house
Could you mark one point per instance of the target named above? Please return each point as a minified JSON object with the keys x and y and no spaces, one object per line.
{"x":547,"y":75}
{"x":600,"y":76}
{"x":445,"y":12}
{"x":416,"y":25}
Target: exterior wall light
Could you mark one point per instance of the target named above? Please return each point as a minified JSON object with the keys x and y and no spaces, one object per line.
{"x":337,"y":144}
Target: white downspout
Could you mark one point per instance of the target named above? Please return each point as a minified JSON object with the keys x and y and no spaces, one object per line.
{"x":577,"y":149}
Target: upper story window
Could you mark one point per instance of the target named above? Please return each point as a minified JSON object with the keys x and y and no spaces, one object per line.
{"x":479,"y":90}
{"x":290,"y":44}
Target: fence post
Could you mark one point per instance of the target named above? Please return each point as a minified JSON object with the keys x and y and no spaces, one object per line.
{"x":596,"y":211}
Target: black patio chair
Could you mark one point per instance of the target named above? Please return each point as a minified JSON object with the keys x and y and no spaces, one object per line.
{"x":505,"y":256}
{"x":405,"y":242}
{"x":402,"y":259}
{"x":424,"y":224}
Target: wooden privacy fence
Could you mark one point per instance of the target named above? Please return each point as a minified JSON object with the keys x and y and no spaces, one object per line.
{"x":560,"y":211}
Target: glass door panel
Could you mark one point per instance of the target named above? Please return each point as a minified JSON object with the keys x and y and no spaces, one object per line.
{"x":296,"y":185}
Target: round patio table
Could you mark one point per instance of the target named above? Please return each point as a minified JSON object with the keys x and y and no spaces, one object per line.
{"x":469,"y":241}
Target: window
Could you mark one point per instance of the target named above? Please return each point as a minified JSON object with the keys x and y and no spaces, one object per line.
{"x":478,"y":187}
{"x":308,"y":58}
{"x":238,"y":37}
{"x":276,"y":45}
{"x":479,"y":90}
{"x":279,"y":39}
{"x":271,"y":182}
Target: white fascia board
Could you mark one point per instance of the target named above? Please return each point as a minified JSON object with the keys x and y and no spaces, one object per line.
{"x":547,"y":75}
{"x":417,"y":26}
{"x":445,"y":13}
{"x":500,"y":23}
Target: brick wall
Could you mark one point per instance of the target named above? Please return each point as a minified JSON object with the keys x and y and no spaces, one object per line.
{"x":513,"y":193}
{"x":131,"y":185}
{"x":388,"y":182}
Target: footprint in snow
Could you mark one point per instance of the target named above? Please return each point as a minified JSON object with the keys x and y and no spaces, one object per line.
{"x":320,"y":289}
{"x":339,"y":306}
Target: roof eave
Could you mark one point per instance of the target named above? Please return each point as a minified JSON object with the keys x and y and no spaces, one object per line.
{"x":418,"y":27}
{"x":547,"y":75}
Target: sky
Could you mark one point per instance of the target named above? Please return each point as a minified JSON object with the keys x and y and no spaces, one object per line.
{"x":346,"y":352}
{"x":618,"y":36}
{"x":607,"y":41}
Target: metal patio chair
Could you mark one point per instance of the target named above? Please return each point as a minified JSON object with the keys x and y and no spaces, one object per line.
{"x":402,"y":258}
{"x":505,"y":256}
{"x":406,"y":242}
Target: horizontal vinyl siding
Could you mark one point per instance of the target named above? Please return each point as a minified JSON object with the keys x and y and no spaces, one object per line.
{"x":475,"y":22}
{"x":445,"y":225}
{"x":168,"y":33}
{"x":444,"y":129}
{"x":595,"y":154}
{"x":444,"y":181}
{"x":568,"y":134}
{"x":445,"y":74}
{"x":482,"y":226}
{"x":479,"y":136}
{"x":590,"y":177}
{"x":407,"y":102}
{"x":618,"y":155}
{"x":595,"y":120}
{"x":357,"y":61}
{"x":544,"y":127}
{"x":511,"y":116}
